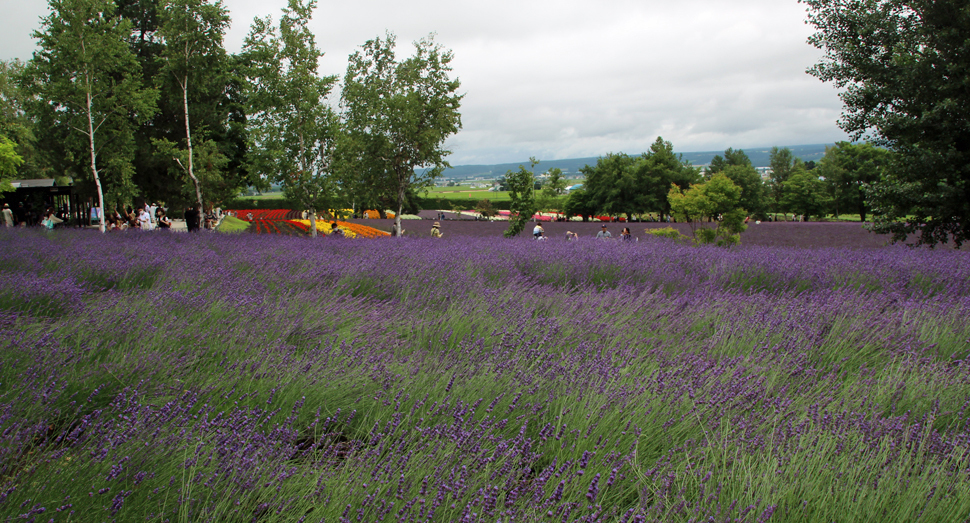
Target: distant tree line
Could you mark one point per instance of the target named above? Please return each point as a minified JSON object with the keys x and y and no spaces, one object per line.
{"x":138,"y":100}
{"x":639,"y":186}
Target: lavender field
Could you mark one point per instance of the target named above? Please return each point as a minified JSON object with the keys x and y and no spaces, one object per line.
{"x":176,"y":377}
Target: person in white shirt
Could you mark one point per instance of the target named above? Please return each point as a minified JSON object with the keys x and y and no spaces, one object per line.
{"x":7,"y":216}
{"x":145,"y":220}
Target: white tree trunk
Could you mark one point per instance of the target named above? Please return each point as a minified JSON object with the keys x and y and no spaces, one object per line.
{"x":94,"y":165}
{"x":188,"y":140}
{"x":313,"y":223}
{"x":400,"y":207}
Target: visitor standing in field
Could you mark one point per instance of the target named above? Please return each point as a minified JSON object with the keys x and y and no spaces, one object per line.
{"x":191,"y":219}
{"x":145,"y":219}
{"x":436,"y":230}
{"x":21,"y":215}
{"x":604,"y":234}
{"x":625,"y":235}
{"x":7,"y":216}
{"x":571,"y":236}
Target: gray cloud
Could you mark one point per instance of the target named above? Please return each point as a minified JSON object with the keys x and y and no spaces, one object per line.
{"x":557,"y":79}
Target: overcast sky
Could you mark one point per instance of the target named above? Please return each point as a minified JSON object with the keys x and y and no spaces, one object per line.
{"x":581,"y":78}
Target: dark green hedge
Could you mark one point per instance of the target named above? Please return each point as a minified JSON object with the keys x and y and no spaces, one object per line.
{"x":249,"y":203}
{"x":464,"y":204}
{"x":444,"y":204}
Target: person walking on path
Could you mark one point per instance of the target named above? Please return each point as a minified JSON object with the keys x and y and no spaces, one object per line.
{"x":7,"y":216}
{"x":604,"y":234}
{"x":435,"y":230}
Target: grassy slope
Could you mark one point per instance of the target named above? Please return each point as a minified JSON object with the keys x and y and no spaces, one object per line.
{"x":231,"y":224}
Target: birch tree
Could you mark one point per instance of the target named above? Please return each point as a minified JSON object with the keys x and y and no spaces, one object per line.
{"x":192,"y":31}
{"x":397,"y":116}
{"x":294,"y":130}
{"x":86,"y":78}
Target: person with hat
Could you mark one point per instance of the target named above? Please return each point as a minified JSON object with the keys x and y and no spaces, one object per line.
{"x":435,"y":230}
{"x":604,"y":234}
{"x":7,"y":216}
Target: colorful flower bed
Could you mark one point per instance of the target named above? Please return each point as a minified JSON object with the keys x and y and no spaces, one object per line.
{"x":284,"y":221}
{"x":375,"y":215}
{"x":350,"y":230}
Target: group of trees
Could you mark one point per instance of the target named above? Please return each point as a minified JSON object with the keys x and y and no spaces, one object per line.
{"x":902,"y":67}
{"x":138,"y":100}
{"x":620,"y":184}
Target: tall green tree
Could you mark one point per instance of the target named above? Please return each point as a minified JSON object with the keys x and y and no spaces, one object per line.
{"x":522,"y":197}
{"x":784,"y":164}
{"x":903,"y":68}
{"x":9,"y":162}
{"x":294,"y":129}
{"x":192,"y":31}
{"x":846,"y":169}
{"x":85,"y":78}
{"x":658,"y":168}
{"x":805,"y":194}
{"x":217,"y":111}
{"x":731,"y":157}
{"x":397,"y":116}
{"x":578,"y":204}
{"x":753,"y":198}
{"x":15,"y":123}
{"x":614,"y":186}
{"x":551,"y":196}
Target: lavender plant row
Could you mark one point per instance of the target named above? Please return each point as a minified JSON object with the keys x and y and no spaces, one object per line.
{"x":176,"y":377}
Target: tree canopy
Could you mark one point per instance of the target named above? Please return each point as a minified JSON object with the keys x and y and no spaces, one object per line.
{"x":9,"y":161}
{"x":846,"y":169}
{"x":904,"y":70}
{"x":86,"y":82}
{"x":522,"y":193}
{"x":623,"y":184}
{"x":717,"y":197}
{"x":396,"y":117}
{"x":295,"y":131}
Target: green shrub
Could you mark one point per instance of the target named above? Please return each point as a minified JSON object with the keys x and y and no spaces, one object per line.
{"x":729,"y":240}
{"x":706,"y":235}
{"x":667,"y":232}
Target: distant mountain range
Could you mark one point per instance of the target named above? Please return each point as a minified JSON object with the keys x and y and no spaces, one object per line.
{"x":759,"y":157}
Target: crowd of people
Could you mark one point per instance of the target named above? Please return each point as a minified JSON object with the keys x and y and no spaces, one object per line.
{"x":150,"y":217}
{"x":539,"y":233}
{"x":26,"y":215}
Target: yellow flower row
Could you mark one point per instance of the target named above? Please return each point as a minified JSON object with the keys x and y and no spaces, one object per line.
{"x":350,"y":230}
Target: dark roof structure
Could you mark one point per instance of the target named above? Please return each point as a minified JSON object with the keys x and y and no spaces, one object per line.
{"x":41,"y":182}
